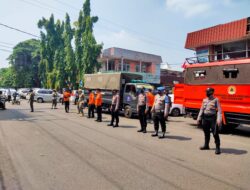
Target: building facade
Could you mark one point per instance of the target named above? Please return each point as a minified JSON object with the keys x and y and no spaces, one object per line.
{"x":122,"y":60}
{"x":170,"y":77}
{"x":221,"y":42}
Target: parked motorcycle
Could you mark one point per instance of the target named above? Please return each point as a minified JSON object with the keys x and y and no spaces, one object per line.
{"x":16,"y":98}
{"x":2,"y":103}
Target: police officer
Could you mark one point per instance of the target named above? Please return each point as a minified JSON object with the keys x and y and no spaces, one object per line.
{"x":98,"y":104}
{"x":31,"y":100}
{"x":141,"y":110}
{"x":80,"y":102}
{"x":91,"y":105}
{"x":115,"y":109}
{"x":160,"y":110}
{"x":210,"y":118}
{"x":54,"y":99}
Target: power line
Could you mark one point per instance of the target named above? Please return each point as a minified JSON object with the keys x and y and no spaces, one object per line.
{"x":42,"y":5}
{"x":147,"y":38}
{"x":121,"y":25}
{"x":6,"y":46}
{"x":16,"y":29}
{"x":5,"y":50}
{"x":6,"y":43}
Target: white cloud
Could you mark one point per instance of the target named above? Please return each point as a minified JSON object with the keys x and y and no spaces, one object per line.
{"x":189,"y":8}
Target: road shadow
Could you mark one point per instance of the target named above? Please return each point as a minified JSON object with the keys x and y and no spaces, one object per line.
{"x":127,"y":126}
{"x":175,"y":121}
{"x":232,"y":151}
{"x":179,"y":138}
{"x":10,"y":114}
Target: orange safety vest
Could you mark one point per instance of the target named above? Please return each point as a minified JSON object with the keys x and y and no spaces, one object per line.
{"x":66,"y":96}
{"x":150,"y":99}
{"x":98,"y":100}
{"x":91,"y":98}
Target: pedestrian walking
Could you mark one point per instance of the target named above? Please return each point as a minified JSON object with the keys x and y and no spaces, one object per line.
{"x":31,"y":100}
{"x":76,"y":97}
{"x":115,"y":109}
{"x":210,"y":118}
{"x":54,"y":99}
{"x":66,"y":98}
{"x":9,"y":95}
{"x":91,"y":105}
{"x":98,"y":104}
{"x":141,"y":110}
{"x":150,"y":102}
{"x":160,"y":110}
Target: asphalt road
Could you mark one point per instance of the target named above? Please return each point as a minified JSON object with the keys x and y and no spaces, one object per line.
{"x":52,"y":150}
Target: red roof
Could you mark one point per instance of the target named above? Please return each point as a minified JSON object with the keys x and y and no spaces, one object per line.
{"x":224,"y":32}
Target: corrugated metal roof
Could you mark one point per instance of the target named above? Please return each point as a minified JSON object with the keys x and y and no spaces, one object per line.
{"x":220,"y":33}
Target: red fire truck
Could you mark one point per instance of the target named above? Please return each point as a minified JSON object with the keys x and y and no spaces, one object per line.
{"x":231,"y":81}
{"x":222,"y":62}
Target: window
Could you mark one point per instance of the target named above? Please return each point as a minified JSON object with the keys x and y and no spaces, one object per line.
{"x":144,"y":68}
{"x":49,"y":92}
{"x":131,"y":90}
{"x":230,"y":73}
{"x":126,"y":67}
{"x":248,"y":45}
{"x":199,"y":74}
{"x":111,"y":66}
{"x":137,"y":68}
{"x":234,"y":50}
{"x":218,"y":52}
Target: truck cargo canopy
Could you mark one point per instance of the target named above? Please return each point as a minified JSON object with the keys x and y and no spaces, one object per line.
{"x":109,"y":81}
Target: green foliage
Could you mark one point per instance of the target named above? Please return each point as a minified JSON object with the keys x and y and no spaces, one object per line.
{"x":51,"y":42}
{"x":7,"y":77}
{"x":24,"y":64}
{"x":51,"y":62}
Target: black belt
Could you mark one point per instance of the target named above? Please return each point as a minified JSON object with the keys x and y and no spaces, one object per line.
{"x":210,"y":115}
{"x":159,"y":111}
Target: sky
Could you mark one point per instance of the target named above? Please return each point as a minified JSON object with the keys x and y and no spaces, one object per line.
{"x":152,"y":26}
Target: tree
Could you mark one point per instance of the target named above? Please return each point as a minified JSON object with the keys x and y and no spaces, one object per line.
{"x":78,"y":44}
{"x":51,"y":41}
{"x":24,"y":63}
{"x":7,"y":77}
{"x":91,"y":50}
{"x":71,"y":68}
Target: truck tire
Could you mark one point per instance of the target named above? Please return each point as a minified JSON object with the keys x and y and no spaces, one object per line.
{"x":128,"y":112}
{"x":176,"y":112}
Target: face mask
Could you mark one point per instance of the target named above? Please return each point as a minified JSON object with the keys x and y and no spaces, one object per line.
{"x":209,"y":94}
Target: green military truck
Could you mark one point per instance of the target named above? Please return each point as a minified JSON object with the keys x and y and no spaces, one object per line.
{"x":128,"y":84}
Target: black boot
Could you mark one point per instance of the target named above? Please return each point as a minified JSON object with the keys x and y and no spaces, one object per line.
{"x":139,"y":131}
{"x":155,"y":135}
{"x":162,"y":136}
{"x":217,"y":150}
{"x":206,"y":145}
{"x":110,"y":124}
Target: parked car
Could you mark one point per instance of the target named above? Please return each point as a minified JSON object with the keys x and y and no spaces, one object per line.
{"x":23,"y":92}
{"x":45,"y":95}
{"x":176,"y":109}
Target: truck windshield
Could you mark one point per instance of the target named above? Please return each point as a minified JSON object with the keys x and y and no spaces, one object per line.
{"x":146,"y":86}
